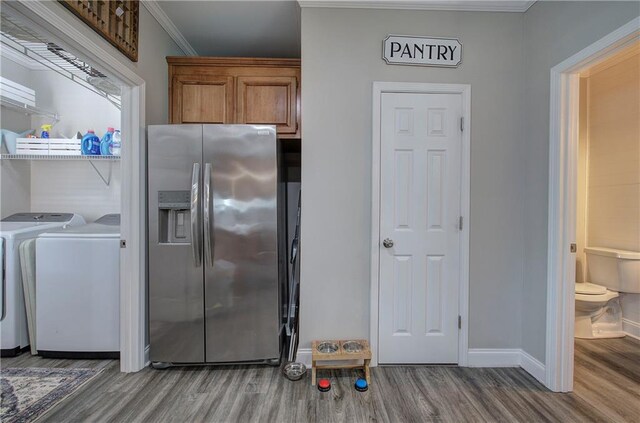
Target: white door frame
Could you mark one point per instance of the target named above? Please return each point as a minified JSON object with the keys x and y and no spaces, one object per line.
{"x":51,"y":17}
{"x":421,"y":88}
{"x":563,"y":152}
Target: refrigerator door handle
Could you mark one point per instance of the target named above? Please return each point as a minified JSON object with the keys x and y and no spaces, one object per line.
{"x":206,"y":198}
{"x":195,"y":207}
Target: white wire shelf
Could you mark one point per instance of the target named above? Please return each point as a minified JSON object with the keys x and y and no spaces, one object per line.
{"x":106,"y":178}
{"x":22,"y":39}
{"x":47,"y":157}
{"x":25,"y":108}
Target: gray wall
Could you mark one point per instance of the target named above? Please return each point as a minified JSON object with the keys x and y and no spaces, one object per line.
{"x":507,"y":59}
{"x":553,"y":31}
{"x":341,"y":57}
{"x":154,"y":46}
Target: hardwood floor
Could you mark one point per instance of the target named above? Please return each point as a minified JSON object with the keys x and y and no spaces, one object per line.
{"x":607,"y":388}
{"x":607,"y":372}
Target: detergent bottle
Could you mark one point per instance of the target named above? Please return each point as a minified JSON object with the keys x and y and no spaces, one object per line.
{"x":105,"y":144}
{"x":90,"y":144}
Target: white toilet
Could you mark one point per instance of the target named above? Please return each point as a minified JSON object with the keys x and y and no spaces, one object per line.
{"x":610,"y":271}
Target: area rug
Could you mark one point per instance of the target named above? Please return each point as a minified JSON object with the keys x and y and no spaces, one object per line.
{"x":28,"y":393}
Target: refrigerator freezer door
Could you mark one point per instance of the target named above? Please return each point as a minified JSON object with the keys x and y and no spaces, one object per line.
{"x":242,"y":287}
{"x":176,"y":288}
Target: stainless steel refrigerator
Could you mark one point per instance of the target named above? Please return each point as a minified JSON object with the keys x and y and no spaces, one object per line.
{"x":215,"y":278}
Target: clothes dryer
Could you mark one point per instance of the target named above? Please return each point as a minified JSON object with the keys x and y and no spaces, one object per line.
{"x":78,"y":290}
{"x":14,"y":230}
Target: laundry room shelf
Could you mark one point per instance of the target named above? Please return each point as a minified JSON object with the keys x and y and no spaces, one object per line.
{"x":21,"y":39}
{"x":27,"y":109}
{"x":106,"y":178}
{"x":47,"y":157}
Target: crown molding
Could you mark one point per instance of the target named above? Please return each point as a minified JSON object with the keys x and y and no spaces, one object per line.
{"x":21,"y":59}
{"x":167,"y":24}
{"x":463,"y":6}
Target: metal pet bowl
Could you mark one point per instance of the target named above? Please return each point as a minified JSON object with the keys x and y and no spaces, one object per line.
{"x":327,"y":348}
{"x":352,"y":346}
{"x":294,"y":371}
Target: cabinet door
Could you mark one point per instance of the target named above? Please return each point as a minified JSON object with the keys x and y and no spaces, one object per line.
{"x":202,"y":99}
{"x":268,"y":100}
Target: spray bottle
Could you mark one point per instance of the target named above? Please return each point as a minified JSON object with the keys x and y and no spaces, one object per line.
{"x":46,"y":131}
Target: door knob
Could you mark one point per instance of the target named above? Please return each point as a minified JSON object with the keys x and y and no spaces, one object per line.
{"x":388,"y":243}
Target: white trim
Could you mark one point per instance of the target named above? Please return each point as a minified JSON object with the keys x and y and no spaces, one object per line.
{"x":375,"y":224}
{"x":468,"y":6}
{"x":133,"y":224}
{"x":494,"y":357}
{"x":631,"y":328}
{"x":478,"y":357}
{"x":507,"y":357}
{"x":50,"y":17}
{"x":533,"y":366}
{"x":465,"y":182}
{"x":170,"y":28}
{"x":563,"y":141}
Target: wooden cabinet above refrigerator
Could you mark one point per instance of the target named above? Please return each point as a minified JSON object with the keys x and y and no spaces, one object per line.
{"x":236,"y":90}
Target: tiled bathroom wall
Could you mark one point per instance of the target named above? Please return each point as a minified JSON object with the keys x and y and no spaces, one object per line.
{"x":613,"y":211}
{"x":613,"y":164}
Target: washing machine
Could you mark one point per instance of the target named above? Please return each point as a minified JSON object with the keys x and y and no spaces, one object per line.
{"x":78,"y":290}
{"x":14,"y":230}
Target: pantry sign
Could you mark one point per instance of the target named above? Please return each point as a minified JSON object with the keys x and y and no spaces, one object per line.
{"x":422,"y":51}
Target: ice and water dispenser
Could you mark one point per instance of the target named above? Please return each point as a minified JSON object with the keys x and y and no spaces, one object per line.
{"x":174,"y":208}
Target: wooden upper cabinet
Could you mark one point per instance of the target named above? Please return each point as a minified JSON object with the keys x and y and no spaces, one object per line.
{"x":202,"y":100}
{"x":267,"y":100}
{"x":236,"y":90}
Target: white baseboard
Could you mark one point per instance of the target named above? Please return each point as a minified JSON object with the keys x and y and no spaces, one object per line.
{"x":304,"y":356}
{"x":533,"y":366}
{"x":493,"y":357}
{"x":506,"y":357}
{"x":631,"y":328}
{"x":479,"y":357}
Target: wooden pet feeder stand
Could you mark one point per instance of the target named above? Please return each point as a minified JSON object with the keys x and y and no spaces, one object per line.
{"x":347,"y":350}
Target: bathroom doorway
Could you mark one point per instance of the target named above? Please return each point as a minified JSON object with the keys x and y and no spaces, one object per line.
{"x":594,"y":109}
{"x":607,"y":258}
{"x":608,"y":197}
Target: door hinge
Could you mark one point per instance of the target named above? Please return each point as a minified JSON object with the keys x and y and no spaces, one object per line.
{"x":123,"y":243}
{"x":459,"y":322}
{"x":573,"y":248}
{"x":462,"y":124}
{"x":460,"y":223}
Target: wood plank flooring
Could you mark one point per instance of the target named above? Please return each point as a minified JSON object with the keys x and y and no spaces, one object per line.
{"x":607,"y":389}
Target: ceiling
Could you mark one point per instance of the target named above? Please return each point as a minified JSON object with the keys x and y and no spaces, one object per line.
{"x":266,"y":28}
{"x":237,"y":28}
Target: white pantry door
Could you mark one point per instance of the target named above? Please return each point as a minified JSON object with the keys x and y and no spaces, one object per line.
{"x":420,"y":174}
